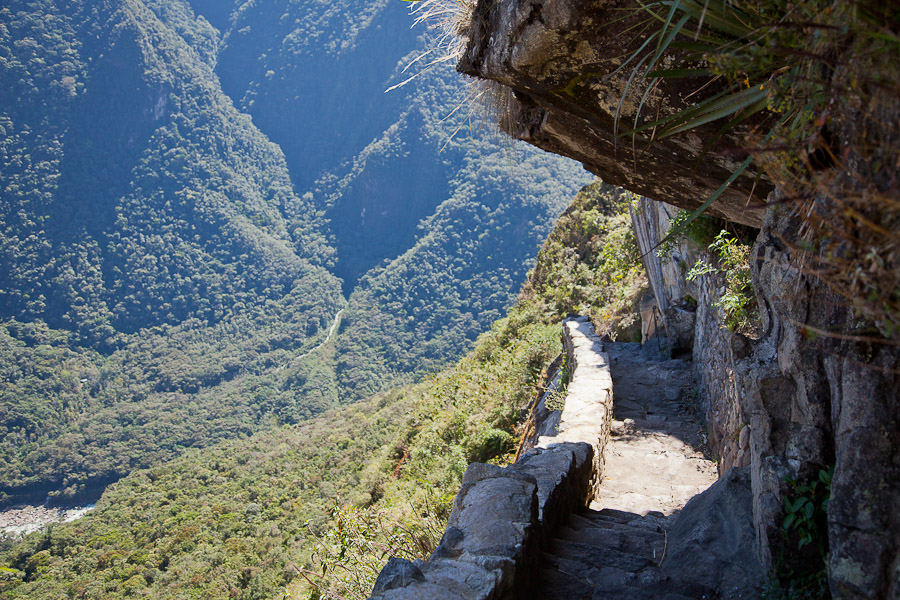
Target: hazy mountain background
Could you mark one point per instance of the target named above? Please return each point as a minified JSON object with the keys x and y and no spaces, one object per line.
{"x":191,"y":192}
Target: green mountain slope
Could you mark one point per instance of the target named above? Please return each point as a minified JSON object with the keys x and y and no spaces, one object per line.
{"x":242,"y":519}
{"x":165,"y":269}
{"x":435,"y":286}
{"x":313,"y":75}
{"x":151,"y":245}
{"x":432,"y":230}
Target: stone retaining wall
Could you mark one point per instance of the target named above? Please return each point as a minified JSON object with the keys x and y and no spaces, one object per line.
{"x":501,"y":516}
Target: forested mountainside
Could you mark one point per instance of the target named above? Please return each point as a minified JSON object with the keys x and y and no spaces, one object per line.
{"x":189,"y":199}
{"x":418,"y":295}
{"x":258,"y":517}
{"x":150,"y":249}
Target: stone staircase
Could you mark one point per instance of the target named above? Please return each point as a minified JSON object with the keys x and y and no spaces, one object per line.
{"x":616,"y":501}
{"x":616,"y":548}
{"x":610,"y":554}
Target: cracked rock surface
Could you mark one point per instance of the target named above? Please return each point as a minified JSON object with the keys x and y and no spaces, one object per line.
{"x":558,"y":62}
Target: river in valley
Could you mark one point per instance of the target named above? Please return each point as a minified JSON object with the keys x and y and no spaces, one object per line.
{"x":20,"y":520}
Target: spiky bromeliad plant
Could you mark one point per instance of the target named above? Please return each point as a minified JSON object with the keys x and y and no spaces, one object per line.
{"x":821,"y":71}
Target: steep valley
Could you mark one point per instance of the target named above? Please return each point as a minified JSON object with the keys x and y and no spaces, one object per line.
{"x":188,"y":199}
{"x":257,"y":517}
{"x":267,"y":285}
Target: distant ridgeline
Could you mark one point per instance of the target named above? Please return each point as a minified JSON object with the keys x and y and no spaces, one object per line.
{"x":184,"y":209}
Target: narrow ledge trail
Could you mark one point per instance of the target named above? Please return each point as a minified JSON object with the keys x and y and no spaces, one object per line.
{"x":654,"y":465}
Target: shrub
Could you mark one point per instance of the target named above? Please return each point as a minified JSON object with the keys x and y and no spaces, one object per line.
{"x":820,"y":79}
{"x":738,"y":303}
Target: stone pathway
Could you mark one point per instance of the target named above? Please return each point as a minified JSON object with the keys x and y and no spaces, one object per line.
{"x":653,"y":467}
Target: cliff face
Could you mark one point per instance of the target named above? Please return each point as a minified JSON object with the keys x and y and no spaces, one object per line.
{"x":817,"y":393}
{"x":693,"y":323}
{"x":815,"y":389}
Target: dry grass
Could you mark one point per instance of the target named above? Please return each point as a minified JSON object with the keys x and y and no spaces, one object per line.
{"x":450,"y":17}
{"x":488,"y":105}
{"x":844,"y":181}
{"x":447,"y":19}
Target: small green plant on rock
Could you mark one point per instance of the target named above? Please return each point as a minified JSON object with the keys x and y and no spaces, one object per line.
{"x":738,"y":303}
{"x":802,"y":556}
{"x":702,"y":230}
{"x":556,"y":400}
{"x":811,"y":88}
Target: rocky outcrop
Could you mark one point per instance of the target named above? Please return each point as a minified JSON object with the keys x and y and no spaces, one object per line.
{"x":713,"y":539}
{"x":820,"y":391}
{"x":820,"y":386}
{"x":560,"y":60}
{"x":674,"y":297}
{"x":801,"y":397}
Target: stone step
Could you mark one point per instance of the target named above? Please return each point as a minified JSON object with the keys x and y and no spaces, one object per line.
{"x":576,"y":521}
{"x":556,"y":585}
{"x":620,"y":497}
{"x":653,"y":584}
{"x":654,"y":522}
{"x":618,"y":493}
{"x":563,"y":579}
{"x":653,"y":465}
{"x":600,"y":576}
{"x":634,"y":428}
{"x":615,"y":519}
{"x":610,"y":514}
{"x":633,"y":593}
{"x":640,"y":542}
{"x":653,"y":414}
{"x":589,"y":554}
{"x":656,"y":446}
{"x":629,"y":593}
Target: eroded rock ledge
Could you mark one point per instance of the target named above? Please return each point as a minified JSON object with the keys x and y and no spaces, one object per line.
{"x":558,"y":59}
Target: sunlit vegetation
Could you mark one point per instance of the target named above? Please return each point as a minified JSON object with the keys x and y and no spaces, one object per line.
{"x":590,"y":264}
{"x":477,"y":411}
{"x":270,"y":514}
{"x":819,"y":81}
{"x":149,"y":274}
{"x":165,"y":268}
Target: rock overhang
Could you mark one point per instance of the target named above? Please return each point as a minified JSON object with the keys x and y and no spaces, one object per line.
{"x":563,"y":62}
